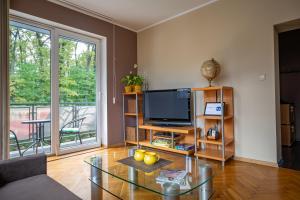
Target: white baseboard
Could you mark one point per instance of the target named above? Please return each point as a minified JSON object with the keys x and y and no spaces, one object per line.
{"x":259,"y":162}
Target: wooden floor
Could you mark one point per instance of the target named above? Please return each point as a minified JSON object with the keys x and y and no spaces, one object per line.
{"x":237,"y":180}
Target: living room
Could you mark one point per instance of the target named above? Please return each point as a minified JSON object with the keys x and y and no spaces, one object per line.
{"x":197,"y":85}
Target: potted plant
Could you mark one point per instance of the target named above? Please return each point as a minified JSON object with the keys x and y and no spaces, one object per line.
{"x":138,"y":82}
{"x":128,"y":81}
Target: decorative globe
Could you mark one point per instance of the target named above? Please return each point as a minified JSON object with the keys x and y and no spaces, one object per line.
{"x":210,"y":70}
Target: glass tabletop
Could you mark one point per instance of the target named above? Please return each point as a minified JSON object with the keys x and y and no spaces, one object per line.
{"x":198,"y":172}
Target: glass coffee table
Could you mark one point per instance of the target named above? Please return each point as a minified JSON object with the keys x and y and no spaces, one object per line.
{"x":107,"y":173}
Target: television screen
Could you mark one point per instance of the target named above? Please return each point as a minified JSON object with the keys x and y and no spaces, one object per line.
{"x":167,"y":106}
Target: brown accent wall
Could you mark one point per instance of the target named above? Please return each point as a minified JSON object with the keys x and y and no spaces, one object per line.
{"x":126,"y":50}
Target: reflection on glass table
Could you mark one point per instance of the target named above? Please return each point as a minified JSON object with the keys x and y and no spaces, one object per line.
{"x":196,"y":184}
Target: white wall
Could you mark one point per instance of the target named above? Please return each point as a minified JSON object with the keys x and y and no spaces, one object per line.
{"x":239,"y":35}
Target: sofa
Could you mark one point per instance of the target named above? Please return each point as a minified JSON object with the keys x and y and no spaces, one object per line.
{"x":25,"y":178}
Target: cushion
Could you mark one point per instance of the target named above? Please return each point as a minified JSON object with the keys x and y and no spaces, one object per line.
{"x":11,"y":136}
{"x":70,"y":130}
{"x":23,"y":167}
{"x":40,"y":187}
{"x":2,"y":182}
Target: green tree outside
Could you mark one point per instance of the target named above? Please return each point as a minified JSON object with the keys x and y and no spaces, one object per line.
{"x":30,"y":68}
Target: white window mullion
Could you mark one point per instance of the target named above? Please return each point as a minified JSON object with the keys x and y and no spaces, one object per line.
{"x":55,"y":91}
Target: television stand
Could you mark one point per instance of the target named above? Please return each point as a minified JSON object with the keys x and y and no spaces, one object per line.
{"x":167,"y":125}
{"x":186,"y":131}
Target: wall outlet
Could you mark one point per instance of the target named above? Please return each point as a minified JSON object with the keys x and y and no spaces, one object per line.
{"x":262,"y":77}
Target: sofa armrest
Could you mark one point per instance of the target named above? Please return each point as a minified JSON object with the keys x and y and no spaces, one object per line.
{"x":23,"y":167}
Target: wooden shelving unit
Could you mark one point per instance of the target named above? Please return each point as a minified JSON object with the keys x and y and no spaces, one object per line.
{"x":136,"y":119}
{"x":175,"y":129}
{"x":147,"y":143}
{"x":223,"y":148}
{"x":186,"y":136}
{"x":130,"y":118}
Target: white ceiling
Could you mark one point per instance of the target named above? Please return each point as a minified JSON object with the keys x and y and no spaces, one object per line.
{"x":135,"y":14}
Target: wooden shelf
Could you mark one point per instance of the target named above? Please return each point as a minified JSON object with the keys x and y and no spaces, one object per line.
{"x":133,"y":93}
{"x":175,"y":129}
{"x":131,"y":142}
{"x":132,"y":114}
{"x":147,"y":144}
{"x":208,"y":141}
{"x":214,"y":117}
{"x":212,"y":88}
{"x":169,"y":138}
{"x":216,"y":142}
{"x":213,"y":154}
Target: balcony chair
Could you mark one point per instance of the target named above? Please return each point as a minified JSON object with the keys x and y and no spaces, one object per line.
{"x":13,"y":136}
{"x":72,"y":128}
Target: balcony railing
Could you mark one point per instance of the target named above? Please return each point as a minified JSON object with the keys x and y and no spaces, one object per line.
{"x":67,"y":112}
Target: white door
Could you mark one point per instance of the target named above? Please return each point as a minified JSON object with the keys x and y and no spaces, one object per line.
{"x":78,"y":76}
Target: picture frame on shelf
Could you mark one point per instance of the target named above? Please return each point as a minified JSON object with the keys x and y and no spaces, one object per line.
{"x":213,"y":108}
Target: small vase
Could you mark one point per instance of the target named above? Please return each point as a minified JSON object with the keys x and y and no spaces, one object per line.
{"x":127,"y":89}
{"x":137,"y":88}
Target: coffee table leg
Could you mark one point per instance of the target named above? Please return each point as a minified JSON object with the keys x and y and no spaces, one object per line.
{"x":172,"y":191}
{"x":132,"y":176}
{"x":132,"y":173}
{"x":96,"y":189}
{"x":206,"y":190}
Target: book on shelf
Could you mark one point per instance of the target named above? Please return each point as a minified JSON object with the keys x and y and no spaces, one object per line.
{"x":162,"y":143}
{"x":185,"y":147}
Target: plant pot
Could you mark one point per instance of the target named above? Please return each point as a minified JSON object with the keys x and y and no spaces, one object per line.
{"x":127,"y":89}
{"x":132,"y":88}
{"x":137,"y":88}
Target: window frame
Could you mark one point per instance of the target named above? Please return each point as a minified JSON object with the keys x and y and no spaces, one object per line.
{"x":56,"y":30}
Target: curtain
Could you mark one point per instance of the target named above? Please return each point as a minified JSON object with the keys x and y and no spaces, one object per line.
{"x":4,"y":64}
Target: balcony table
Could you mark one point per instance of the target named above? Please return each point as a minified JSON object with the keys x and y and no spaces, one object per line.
{"x":38,"y":140}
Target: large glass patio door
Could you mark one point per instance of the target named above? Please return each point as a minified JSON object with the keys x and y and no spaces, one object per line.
{"x":54,"y":90}
{"x":30,"y":89}
{"x":77,"y":91}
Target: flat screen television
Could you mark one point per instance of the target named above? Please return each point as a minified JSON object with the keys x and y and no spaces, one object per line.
{"x":167,"y":107}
